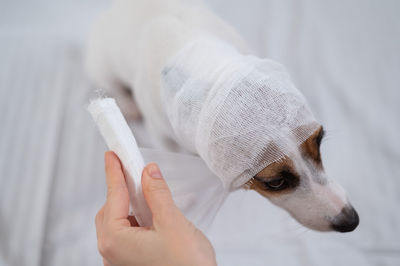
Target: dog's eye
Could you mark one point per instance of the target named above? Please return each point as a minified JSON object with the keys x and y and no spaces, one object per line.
{"x":284,"y":180}
{"x":276,"y":184}
{"x":319,"y":138}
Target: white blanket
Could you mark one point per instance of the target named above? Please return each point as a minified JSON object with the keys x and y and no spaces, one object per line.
{"x":342,"y":55}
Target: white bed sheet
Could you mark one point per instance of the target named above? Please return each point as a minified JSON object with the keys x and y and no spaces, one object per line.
{"x":342,"y":54}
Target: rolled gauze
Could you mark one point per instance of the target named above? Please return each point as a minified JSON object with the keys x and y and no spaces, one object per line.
{"x":120,"y":140}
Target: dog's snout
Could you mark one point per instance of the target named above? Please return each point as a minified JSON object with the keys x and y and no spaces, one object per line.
{"x":346,"y":221}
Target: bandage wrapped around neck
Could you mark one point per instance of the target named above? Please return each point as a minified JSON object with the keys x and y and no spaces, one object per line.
{"x":238,"y":112}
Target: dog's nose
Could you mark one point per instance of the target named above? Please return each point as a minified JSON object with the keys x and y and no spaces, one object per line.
{"x":346,"y":221}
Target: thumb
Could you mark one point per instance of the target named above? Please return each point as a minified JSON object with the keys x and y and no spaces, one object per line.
{"x":158,"y":196}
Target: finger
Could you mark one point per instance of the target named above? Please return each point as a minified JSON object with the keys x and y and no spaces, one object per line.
{"x":117,"y":204}
{"x":105,"y":262}
{"x":99,"y":221}
{"x":157,"y":194}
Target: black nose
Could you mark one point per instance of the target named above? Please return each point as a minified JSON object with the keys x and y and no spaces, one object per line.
{"x":346,"y":221}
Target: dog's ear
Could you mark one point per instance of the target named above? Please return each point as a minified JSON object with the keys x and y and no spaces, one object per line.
{"x":311,"y":146}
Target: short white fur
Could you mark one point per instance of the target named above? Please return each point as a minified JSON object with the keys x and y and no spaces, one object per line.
{"x":133,"y":43}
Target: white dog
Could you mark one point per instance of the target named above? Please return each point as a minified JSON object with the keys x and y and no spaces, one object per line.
{"x":129,"y":50}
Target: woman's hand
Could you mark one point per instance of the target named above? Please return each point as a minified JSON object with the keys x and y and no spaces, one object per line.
{"x":172,"y":240}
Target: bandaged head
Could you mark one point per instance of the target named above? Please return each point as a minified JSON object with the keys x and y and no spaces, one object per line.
{"x":239,"y":113}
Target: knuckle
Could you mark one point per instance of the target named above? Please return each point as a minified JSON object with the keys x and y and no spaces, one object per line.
{"x":115,"y":189}
{"x":109,"y":192}
{"x":97,"y":217}
{"x":156,"y":187}
{"x":105,"y":247}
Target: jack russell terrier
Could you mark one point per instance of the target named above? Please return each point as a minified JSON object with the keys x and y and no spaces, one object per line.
{"x":130,"y":46}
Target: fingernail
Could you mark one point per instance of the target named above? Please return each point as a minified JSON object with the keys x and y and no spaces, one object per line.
{"x":154,"y":171}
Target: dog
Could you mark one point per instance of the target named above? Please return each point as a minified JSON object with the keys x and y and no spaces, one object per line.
{"x":130,"y":44}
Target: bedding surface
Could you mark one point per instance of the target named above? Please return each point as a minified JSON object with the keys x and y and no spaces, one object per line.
{"x":343,"y":55}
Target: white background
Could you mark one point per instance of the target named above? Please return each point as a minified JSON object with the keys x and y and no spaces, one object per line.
{"x":343,"y":55}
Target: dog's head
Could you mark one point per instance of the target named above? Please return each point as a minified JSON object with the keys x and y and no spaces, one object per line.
{"x":299,"y":185}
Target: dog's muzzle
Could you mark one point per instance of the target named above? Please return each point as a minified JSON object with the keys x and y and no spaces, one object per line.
{"x":346,"y":221}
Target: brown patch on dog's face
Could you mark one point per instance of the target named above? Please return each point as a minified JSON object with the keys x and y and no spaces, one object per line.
{"x":311,"y":147}
{"x":281,"y":177}
{"x":299,"y":185}
{"x":276,"y":179}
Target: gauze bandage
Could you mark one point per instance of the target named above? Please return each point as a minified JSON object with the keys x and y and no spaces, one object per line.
{"x":120,"y":140}
{"x":239,"y":113}
{"x":196,"y":191}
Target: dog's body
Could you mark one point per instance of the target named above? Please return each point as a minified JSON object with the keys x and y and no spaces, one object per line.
{"x":134,"y":40}
{"x":131,"y":44}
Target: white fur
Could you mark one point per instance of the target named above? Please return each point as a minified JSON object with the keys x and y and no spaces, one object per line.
{"x":133,"y":40}
{"x":317,"y":200}
{"x":131,"y":43}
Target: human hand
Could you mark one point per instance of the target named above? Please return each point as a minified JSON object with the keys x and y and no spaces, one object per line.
{"x":172,"y":240}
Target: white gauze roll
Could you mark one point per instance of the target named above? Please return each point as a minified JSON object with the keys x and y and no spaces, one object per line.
{"x":120,"y":140}
{"x":239,"y":113}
